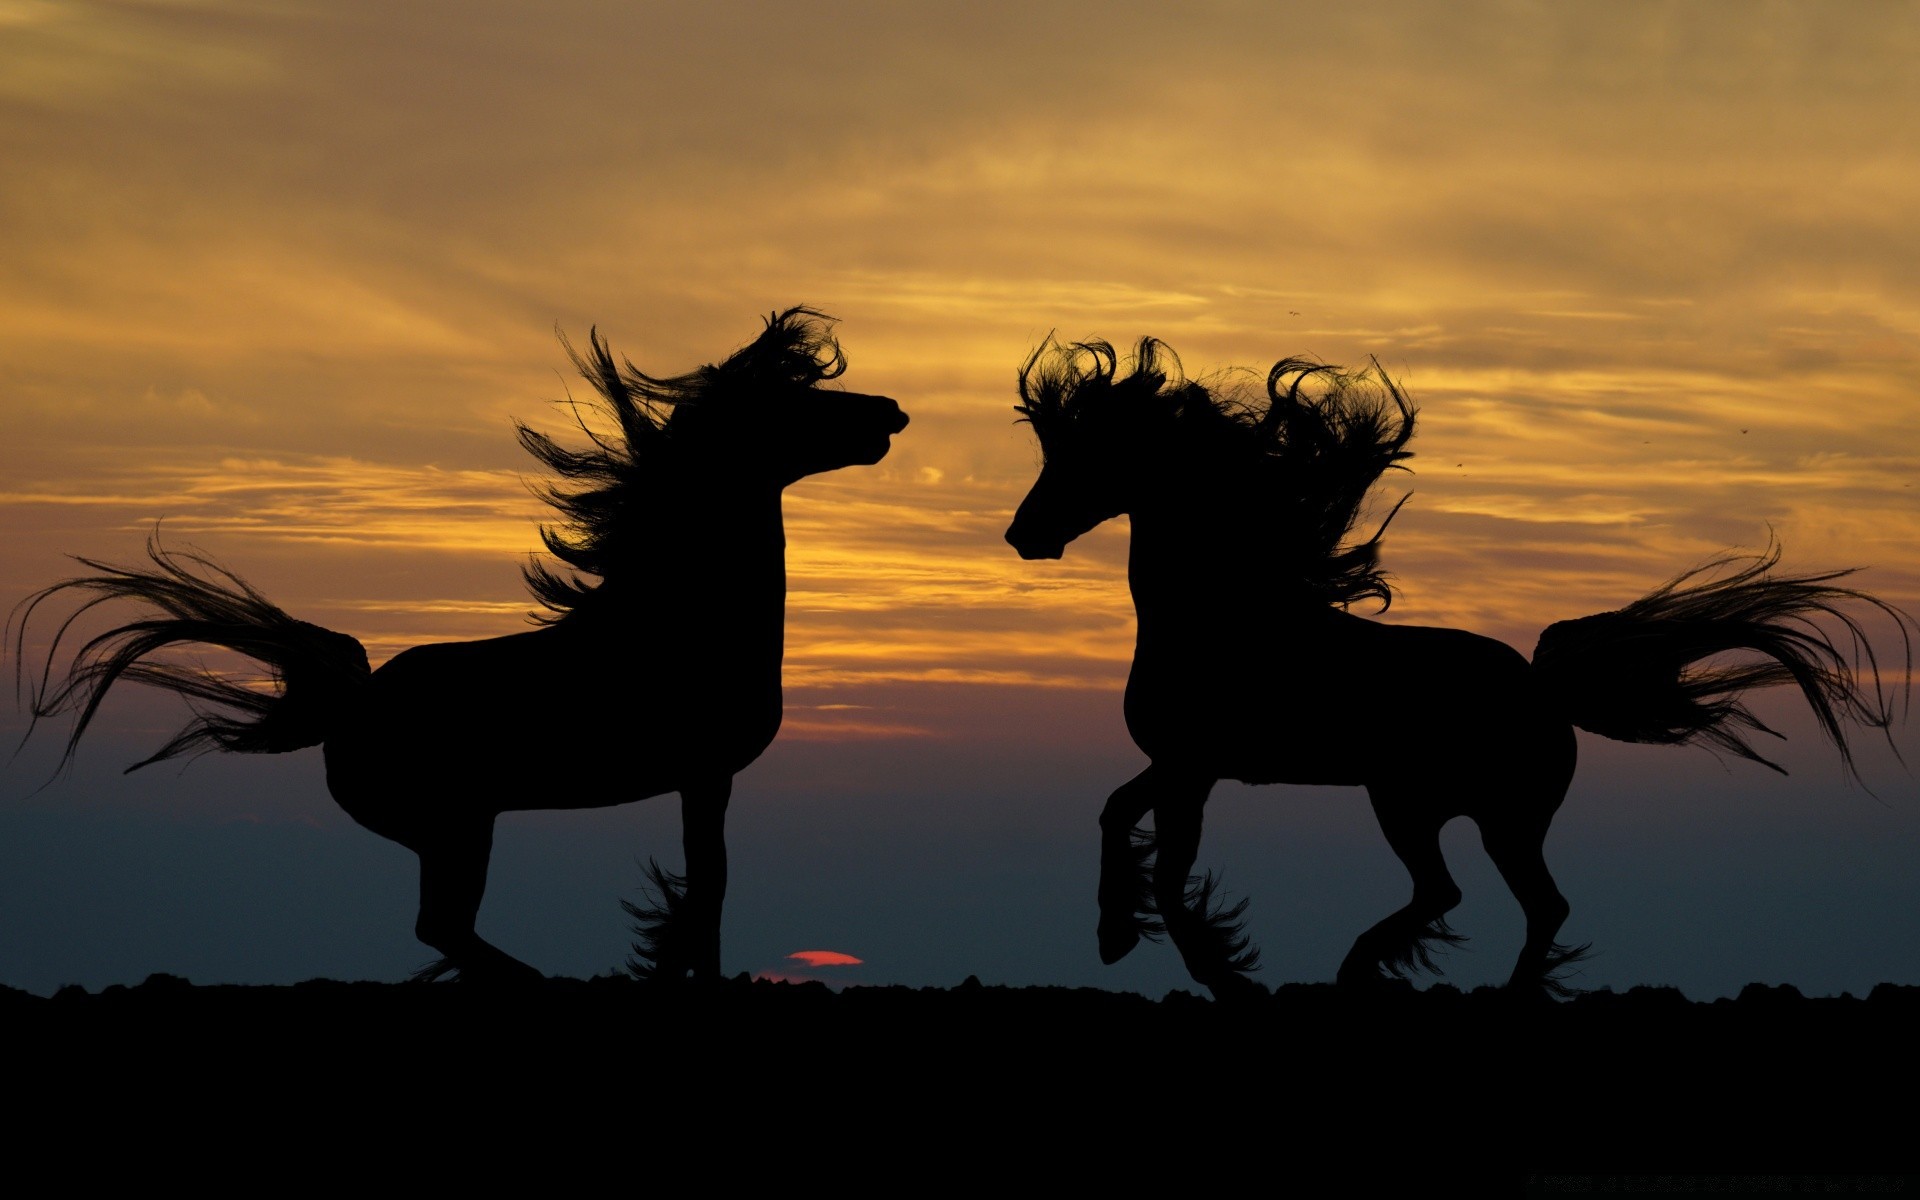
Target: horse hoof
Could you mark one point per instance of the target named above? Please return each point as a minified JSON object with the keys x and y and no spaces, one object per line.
{"x":518,"y":975}
{"x":1529,"y":994}
{"x":1360,"y":977}
{"x":484,"y":970}
{"x":1365,"y":977}
{"x":666,"y":971}
{"x":1117,"y":943}
{"x":434,"y":970}
{"x":1237,"y":989}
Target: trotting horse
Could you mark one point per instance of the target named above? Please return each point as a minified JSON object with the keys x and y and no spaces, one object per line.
{"x":661,"y":674}
{"x":1248,"y":666}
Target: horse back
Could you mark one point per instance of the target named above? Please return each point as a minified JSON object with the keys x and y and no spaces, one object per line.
{"x":1341,"y":699}
{"x":549,"y":718}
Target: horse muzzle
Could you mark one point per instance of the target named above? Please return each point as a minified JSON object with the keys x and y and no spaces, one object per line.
{"x":1030,"y":547}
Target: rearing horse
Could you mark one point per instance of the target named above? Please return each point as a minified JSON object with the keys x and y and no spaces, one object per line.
{"x":661,"y":675}
{"x":1248,"y":666}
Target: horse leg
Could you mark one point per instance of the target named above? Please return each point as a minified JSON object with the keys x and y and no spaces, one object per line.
{"x":1401,"y":941}
{"x":1126,"y":890}
{"x":1209,"y":938}
{"x":703,"y":825}
{"x":1517,"y":849}
{"x":453,"y":878}
{"x":678,"y":931}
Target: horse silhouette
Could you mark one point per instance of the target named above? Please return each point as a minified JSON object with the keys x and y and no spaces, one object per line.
{"x":660,"y":675}
{"x":1248,"y":666}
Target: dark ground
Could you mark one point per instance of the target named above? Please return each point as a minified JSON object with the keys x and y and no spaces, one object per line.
{"x":1314,"y":1091}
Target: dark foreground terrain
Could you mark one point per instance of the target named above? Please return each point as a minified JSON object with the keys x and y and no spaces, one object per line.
{"x":1314,"y":1091}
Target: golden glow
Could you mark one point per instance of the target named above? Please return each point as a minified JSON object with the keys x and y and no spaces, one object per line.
{"x":282,"y":278}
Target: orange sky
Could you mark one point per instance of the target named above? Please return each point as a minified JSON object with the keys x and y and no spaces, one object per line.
{"x":283,"y":274}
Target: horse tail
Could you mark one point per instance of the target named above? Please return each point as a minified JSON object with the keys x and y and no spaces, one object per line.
{"x":319,"y":673}
{"x":1641,"y":673}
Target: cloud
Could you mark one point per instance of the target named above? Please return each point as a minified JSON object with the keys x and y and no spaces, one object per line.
{"x":835,"y":965}
{"x":824,"y":958}
{"x":291,"y":299}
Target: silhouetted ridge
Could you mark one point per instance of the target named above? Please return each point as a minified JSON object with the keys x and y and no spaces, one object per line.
{"x":1642,"y":673}
{"x":316,"y":670}
{"x":612,"y":491}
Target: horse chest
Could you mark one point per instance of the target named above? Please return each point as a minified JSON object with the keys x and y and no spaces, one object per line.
{"x":1275,"y":726}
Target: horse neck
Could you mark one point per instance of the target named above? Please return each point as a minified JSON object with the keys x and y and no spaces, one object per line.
{"x":720,"y":538}
{"x":1204,"y":559}
{"x":712,"y":568}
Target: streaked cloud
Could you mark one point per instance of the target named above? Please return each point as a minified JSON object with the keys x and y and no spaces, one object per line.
{"x":1647,"y":268}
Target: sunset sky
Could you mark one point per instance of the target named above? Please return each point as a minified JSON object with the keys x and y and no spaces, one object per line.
{"x":282,"y":275}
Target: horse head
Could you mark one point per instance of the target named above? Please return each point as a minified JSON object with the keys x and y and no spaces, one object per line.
{"x":834,"y":429}
{"x":1067,"y":500}
{"x":729,"y":432}
{"x":765,"y":413}
{"x":1103,"y":436}
{"x":1137,"y":436}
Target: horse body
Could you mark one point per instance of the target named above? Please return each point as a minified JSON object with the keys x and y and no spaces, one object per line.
{"x":1341,"y":701}
{"x":1435,"y":723}
{"x":662,"y":675}
{"x":1247,"y":665}
{"x":1238,"y":669}
{"x":448,"y":727}
{"x":654,"y":697}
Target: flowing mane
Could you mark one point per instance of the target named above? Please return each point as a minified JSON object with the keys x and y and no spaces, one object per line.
{"x":606,"y":491}
{"x":1312,"y":448}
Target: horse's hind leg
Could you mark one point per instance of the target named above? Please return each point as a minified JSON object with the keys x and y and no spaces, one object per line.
{"x":453,"y":878}
{"x":1402,"y":941}
{"x":1517,"y":847}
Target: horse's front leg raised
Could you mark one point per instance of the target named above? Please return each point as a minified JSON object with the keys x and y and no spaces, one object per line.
{"x":1126,"y":891}
{"x":703,"y":820}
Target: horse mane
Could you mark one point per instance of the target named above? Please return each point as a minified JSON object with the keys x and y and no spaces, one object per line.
{"x":1312,"y":448}
{"x":607,"y":491}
